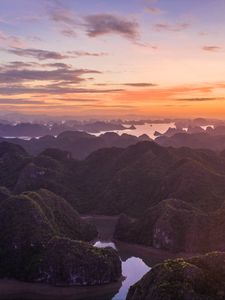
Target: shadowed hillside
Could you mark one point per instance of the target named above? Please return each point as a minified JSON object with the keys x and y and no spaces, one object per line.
{"x":197,"y":278}
{"x":136,"y":181}
{"x":79,"y":144}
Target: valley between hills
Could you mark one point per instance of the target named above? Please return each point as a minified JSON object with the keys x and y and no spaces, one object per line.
{"x":165,"y":202}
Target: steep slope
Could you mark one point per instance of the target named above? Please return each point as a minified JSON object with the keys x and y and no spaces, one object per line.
{"x":130,"y":180}
{"x":13,"y":158}
{"x":197,"y":278}
{"x":52,"y":170}
{"x":175,"y":226}
{"x":83,"y":264}
{"x":39,"y":233}
{"x":142,"y":175}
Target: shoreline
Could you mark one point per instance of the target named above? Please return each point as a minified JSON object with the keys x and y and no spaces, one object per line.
{"x":142,"y":250}
{"x":11,"y":289}
{"x":14,"y":289}
{"x":149,"y":254}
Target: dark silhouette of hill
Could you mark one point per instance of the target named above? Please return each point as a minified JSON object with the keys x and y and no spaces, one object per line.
{"x":132,"y":179}
{"x":175,"y":226}
{"x":23,"y":129}
{"x":195,"y":140}
{"x":13,"y":158}
{"x":135,"y":180}
{"x":79,"y":144}
{"x":200,"y":278}
{"x":42,"y":241}
{"x":117,"y":180}
{"x":37,"y":130}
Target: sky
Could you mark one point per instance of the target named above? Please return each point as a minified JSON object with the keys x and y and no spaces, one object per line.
{"x":113,"y":58}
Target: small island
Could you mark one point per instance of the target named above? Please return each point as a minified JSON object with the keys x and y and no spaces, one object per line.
{"x":44,"y":240}
{"x":197,"y":278}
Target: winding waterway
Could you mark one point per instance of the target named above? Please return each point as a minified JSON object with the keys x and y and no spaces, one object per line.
{"x":136,"y":260}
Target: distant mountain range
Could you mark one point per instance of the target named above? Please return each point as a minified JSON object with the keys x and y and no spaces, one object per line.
{"x":38,"y":130}
{"x":196,"y":141}
{"x":79,"y":144}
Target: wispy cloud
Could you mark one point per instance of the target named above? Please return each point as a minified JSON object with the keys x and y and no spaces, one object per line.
{"x":77,"y":100}
{"x":131,"y":84}
{"x":41,"y":54}
{"x":140,"y":84}
{"x":59,"y":74}
{"x":19,"y":101}
{"x":94,"y":24}
{"x":86,"y":53}
{"x":60,"y":14}
{"x":68,"y":32}
{"x":200,"y":99}
{"x":34,"y":78}
{"x":18,"y":78}
{"x":10,"y":40}
{"x":37,"y":53}
{"x":49,"y":90}
{"x":153,"y":10}
{"x":102,"y":24}
{"x":171,"y":27}
{"x":211,"y":48}
{"x":16,"y":65}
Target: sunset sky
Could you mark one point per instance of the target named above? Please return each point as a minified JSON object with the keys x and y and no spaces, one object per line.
{"x":116,"y":58}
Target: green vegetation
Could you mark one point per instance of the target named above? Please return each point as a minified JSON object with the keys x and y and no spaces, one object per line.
{"x":197,"y":278}
{"x":38,"y":232}
{"x":176,"y":226}
{"x":82,"y":264}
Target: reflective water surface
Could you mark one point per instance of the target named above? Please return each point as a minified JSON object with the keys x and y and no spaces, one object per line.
{"x":136,"y":261}
{"x":148,"y":129}
{"x":133,"y":269}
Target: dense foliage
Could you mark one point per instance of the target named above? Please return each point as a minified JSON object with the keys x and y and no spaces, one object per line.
{"x":197,"y":278}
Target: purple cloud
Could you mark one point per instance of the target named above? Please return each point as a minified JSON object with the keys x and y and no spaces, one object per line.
{"x":86,"y":53}
{"x":60,"y":74}
{"x":170,"y":27}
{"x":153,"y":10}
{"x":140,"y":84}
{"x":46,"y":54}
{"x":102,"y":24}
{"x":211,"y":48}
{"x":37,"y":53}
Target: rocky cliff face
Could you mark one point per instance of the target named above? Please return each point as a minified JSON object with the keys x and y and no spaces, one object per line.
{"x":75,"y":263}
{"x":175,"y":226}
{"x":39,"y":233}
{"x":114,"y":181}
{"x":4,"y":193}
{"x":134,"y":181}
{"x":198,"y":278}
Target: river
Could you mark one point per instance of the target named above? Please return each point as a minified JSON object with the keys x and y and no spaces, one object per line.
{"x":136,"y":261}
